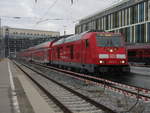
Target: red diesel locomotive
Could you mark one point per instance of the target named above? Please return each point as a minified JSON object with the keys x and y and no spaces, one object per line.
{"x":92,"y":52}
{"x":86,"y":52}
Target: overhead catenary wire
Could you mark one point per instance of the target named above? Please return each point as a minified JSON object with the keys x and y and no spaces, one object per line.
{"x":51,"y":6}
{"x":41,"y":19}
{"x":71,"y":1}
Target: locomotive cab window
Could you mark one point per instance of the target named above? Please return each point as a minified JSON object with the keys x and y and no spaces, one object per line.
{"x":108,"y":41}
{"x":87,"y":43}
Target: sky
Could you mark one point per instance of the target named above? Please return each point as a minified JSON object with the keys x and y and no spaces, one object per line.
{"x":51,"y":15}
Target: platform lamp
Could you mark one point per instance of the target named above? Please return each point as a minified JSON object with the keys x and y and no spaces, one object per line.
{"x":71,"y":1}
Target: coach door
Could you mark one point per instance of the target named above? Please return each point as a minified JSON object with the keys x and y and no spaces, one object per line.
{"x":85,"y":51}
{"x":70,"y":54}
{"x":46,"y":55}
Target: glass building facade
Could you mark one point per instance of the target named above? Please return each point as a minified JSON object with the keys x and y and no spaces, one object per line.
{"x":131,"y":18}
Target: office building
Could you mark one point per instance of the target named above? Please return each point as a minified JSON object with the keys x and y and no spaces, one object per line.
{"x":16,"y":39}
{"x":130,"y":17}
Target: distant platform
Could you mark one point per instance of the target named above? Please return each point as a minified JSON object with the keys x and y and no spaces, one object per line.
{"x":141,"y":70}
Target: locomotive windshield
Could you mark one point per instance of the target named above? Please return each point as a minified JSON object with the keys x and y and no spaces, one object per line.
{"x":108,"y":41}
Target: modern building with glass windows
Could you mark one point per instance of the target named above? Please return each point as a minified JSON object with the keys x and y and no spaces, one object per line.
{"x":130,"y":17}
{"x":17,"y":39}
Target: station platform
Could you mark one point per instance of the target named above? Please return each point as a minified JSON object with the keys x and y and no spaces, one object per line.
{"x":140,"y":70}
{"x":5,"y":89}
{"x":17,"y":93}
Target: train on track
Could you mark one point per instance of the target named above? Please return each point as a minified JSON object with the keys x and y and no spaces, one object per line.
{"x":139,"y":53}
{"x":86,"y":52}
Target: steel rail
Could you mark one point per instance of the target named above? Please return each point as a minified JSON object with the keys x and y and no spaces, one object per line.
{"x":99,"y":80}
{"x":57,"y":102}
{"x":87,"y":99}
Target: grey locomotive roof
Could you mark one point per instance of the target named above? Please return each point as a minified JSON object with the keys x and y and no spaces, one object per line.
{"x":70,"y":38}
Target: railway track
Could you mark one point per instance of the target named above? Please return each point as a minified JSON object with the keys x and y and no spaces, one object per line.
{"x":68,"y":100}
{"x":131,"y":91}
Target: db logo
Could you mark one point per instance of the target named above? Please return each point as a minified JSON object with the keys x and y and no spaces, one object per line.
{"x":112,"y":56}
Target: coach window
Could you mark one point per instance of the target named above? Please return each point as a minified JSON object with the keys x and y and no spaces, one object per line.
{"x":87,"y":43}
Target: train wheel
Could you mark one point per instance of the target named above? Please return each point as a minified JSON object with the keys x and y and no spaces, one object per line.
{"x":126,"y":69}
{"x":76,"y":70}
{"x":84,"y":71}
{"x":63,"y":67}
{"x":69,"y":68}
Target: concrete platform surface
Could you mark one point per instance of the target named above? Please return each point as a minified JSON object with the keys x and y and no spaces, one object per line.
{"x":5,"y":89}
{"x":140,"y":70}
{"x":38,"y":103}
{"x":17,"y":94}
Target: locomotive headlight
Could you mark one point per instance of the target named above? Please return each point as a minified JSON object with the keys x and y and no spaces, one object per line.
{"x":103,"y":56}
{"x":111,"y":50}
{"x":101,"y":62}
{"x":123,"y":62}
{"x":121,"y":56}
